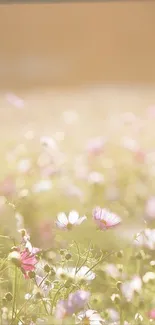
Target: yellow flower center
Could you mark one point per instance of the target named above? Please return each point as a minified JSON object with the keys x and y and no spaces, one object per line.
{"x":85,"y":321}
{"x":104,"y":222}
{"x":69,"y":226}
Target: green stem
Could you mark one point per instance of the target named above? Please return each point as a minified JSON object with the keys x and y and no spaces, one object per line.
{"x":55,"y":296}
{"x":85,"y":259}
{"x":45,"y":306}
{"x":14,"y":297}
{"x":121,"y":315}
{"x":100,"y":261}
{"x":78,"y":261}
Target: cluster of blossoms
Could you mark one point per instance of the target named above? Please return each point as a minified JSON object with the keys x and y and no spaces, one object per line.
{"x":65,"y":281}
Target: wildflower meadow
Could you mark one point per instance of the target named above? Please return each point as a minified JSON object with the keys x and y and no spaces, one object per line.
{"x":77,"y":216}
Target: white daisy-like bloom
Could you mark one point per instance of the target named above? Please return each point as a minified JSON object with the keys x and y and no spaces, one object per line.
{"x":148,"y":276}
{"x":113,"y":314}
{"x":112,"y":270}
{"x":90,"y":317}
{"x":82,"y":274}
{"x":139,"y":317}
{"x":128,"y":288}
{"x":67,"y":223}
{"x":146,"y":238}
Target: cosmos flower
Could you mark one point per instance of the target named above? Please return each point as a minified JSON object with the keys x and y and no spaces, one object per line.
{"x":128,"y":288}
{"x":70,"y":272}
{"x":148,"y":276}
{"x":67,"y":223}
{"x":146,"y":238}
{"x":89,"y":317}
{"x":25,"y":260}
{"x":105,"y":219}
{"x":112,"y":270}
{"x":75,"y":302}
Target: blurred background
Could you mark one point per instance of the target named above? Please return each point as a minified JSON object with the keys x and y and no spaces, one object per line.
{"x":76,"y":53}
{"x":69,"y":71}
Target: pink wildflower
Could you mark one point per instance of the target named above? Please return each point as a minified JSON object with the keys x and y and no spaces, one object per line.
{"x":25,"y":260}
{"x":28,"y":261}
{"x":151,"y":314}
{"x":105,"y":219}
{"x":67,"y":223}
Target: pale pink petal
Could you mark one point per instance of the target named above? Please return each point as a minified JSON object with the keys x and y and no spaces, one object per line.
{"x":62,"y":218}
{"x":90,"y":312}
{"x":60,"y":225}
{"x":73,"y":217}
{"x":81,"y":220}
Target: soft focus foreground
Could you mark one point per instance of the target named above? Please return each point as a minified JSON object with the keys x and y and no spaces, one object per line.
{"x":77,"y":206}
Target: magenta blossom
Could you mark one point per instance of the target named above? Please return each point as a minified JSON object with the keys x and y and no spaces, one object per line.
{"x":25,"y":260}
{"x":105,"y":219}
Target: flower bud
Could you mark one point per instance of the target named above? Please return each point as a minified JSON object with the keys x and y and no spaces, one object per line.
{"x":8,"y":296}
{"x":68,"y":256}
{"x":139,"y":318}
{"x":118,"y":285}
{"x":38,"y":295}
{"x":62,"y":251}
{"x":140,"y":255}
{"x":47,"y":268}
{"x":52,"y":271}
{"x":31,"y":274}
{"x":14,"y":257}
{"x":116,"y":298}
{"x":120,"y":267}
{"x":22,"y":232}
{"x":120,"y":254}
{"x":68,"y":283}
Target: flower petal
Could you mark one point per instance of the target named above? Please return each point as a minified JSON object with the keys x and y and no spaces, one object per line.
{"x":81,"y":220}
{"x":73,"y":217}
{"x":62,"y":218}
